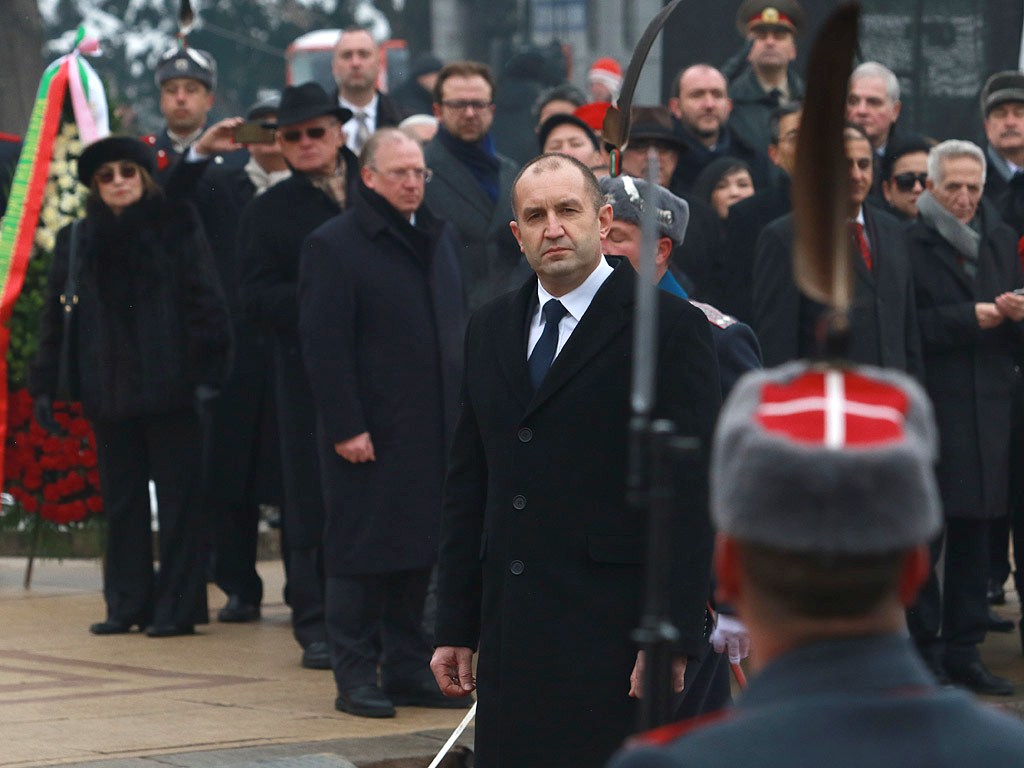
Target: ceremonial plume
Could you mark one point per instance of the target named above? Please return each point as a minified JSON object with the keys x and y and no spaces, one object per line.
{"x":822,"y":263}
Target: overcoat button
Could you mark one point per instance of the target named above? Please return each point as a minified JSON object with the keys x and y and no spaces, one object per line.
{"x":517,"y":567}
{"x":525,"y":435}
{"x":519,"y":502}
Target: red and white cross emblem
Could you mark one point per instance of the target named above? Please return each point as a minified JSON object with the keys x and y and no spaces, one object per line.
{"x":835,"y":408}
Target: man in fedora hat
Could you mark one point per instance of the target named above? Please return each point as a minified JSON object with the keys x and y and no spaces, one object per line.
{"x":271,"y":232}
{"x":770,"y":29}
{"x":652,"y":127}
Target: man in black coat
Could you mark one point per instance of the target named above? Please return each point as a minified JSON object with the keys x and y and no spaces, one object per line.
{"x":10,"y":150}
{"x":542,"y":562}
{"x":734,"y":263}
{"x":241,"y":468}
{"x":965,"y":267}
{"x":381,"y":323}
{"x":355,"y":66}
{"x":700,"y":111}
{"x":271,"y":233}
{"x":883,"y":321}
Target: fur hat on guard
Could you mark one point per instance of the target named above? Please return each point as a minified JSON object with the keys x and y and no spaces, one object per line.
{"x":810,"y":459}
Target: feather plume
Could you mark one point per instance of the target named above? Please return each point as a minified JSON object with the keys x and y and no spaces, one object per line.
{"x":186,"y":18}
{"x":822,"y":264}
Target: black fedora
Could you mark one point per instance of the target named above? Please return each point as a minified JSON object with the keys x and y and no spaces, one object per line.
{"x":110,"y":150}
{"x":300,"y":103}
{"x":653,"y":125}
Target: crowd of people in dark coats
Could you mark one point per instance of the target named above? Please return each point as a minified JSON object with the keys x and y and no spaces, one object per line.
{"x":283,"y":325}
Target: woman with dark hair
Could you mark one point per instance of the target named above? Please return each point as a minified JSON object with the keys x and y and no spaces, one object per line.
{"x":135,"y":326}
{"x":724,"y":181}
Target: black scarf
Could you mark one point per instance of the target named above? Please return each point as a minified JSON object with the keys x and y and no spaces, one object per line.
{"x":419,"y":237}
{"x":479,"y":156}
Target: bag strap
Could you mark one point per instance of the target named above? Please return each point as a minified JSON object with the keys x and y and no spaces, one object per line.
{"x":69,"y":298}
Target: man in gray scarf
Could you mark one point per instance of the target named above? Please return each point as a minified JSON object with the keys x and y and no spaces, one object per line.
{"x":966,"y":269}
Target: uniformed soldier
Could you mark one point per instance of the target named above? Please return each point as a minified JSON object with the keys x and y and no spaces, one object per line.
{"x":824,"y":496}
{"x":770,"y":29}
{"x":735,"y":343}
{"x":187,"y":79}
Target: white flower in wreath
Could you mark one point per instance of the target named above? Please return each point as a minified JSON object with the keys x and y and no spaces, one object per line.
{"x":45,"y":239}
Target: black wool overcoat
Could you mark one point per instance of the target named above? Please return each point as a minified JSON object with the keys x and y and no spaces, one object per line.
{"x":381,"y":321}
{"x":542,"y":561}
{"x":970,"y":373}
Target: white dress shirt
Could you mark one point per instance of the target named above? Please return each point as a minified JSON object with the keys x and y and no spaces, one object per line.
{"x":352,"y":126}
{"x":576,"y":303}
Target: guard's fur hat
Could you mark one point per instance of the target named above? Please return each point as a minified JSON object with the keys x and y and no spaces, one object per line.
{"x":820,"y":460}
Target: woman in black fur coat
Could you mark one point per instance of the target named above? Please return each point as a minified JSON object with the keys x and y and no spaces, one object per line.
{"x":146,"y":350}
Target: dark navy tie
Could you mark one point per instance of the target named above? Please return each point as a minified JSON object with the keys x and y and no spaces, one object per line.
{"x":544,"y":351}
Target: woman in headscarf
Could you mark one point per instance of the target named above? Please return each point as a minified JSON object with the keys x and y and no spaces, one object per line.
{"x":145,"y":347}
{"x":724,"y":181}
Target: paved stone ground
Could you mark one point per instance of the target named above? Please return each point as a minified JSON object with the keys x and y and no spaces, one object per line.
{"x":232,"y":696}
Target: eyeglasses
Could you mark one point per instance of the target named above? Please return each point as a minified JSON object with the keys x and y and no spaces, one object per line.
{"x":125,"y":170}
{"x":293,"y":136}
{"x":905,"y":181}
{"x":461,"y":105}
{"x":401,"y":174}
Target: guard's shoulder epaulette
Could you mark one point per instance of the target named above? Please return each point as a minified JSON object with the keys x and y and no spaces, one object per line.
{"x":714,"y":315}
{"x":666,"y":734}
{"x":149,"y":138}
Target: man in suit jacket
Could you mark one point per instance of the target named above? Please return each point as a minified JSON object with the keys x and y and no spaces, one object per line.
{"x":883,"y":320}
{"x":355,"y":66}
{"x":541,"y":560}
{"x":472,"y":181}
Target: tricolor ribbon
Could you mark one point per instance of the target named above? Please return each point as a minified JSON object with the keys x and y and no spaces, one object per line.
{"x":70,"y":74}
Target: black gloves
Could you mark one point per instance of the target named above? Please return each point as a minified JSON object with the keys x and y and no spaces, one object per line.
{"x":42,"y":407}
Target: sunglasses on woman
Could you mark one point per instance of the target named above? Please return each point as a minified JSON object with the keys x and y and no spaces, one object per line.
{"x":125,"y":170}
{"x":293,"y":136}
{"x":905,"y":181}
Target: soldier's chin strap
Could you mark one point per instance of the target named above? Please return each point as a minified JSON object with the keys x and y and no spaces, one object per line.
{"x":615,"y":129}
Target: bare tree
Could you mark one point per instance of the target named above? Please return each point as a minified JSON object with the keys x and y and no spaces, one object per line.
{"x":21,"y":62}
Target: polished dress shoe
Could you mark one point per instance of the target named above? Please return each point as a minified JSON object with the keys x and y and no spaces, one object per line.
{"x":238,"y":612}
{"x":996,"y":593}
{"x":316,"y":655}
{"x":430,"y":697}
{"x":111,"y":627}
{"x":170,"y":630}
{"x":365,"y":701}
{"x":975,"y":676}
{"x":997,"y":623}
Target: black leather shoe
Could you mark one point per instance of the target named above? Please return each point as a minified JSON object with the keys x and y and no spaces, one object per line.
{"x":170,"y":630}
{"x":977,"y":677}
{"x":996,"y":593}
{"x":997,"y":623}
{"x":365,"y":701}
{"x":316,"y":655}
{"x":238,"y":612}
{"x":110,"y":627}
{"x":431,"y":698}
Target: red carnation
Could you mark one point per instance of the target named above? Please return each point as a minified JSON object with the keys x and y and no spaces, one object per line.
{"x":30,"y":504}
{"x":94,"y":504}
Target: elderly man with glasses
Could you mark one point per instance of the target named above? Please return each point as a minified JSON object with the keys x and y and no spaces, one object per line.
{"x":271,"y":232}
{"x":472,"y":182}
{"x":381,"y":321}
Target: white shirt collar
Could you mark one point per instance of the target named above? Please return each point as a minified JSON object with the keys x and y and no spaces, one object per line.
{"x":577,"y":301}
{"x":369,"y":109}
